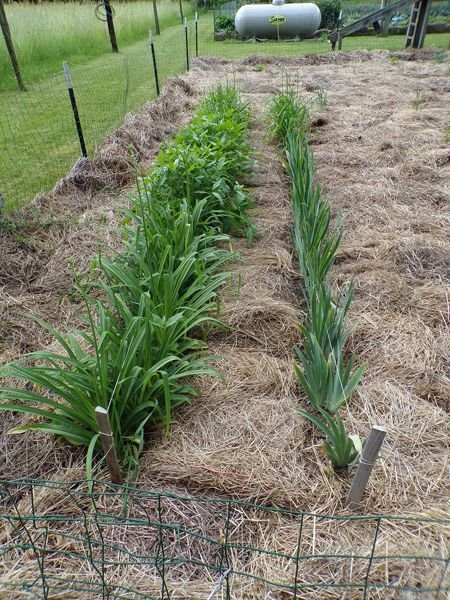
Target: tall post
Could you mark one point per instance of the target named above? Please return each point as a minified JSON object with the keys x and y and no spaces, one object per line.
{"x":10,"y":47}
{"x":181,"y":11}
{"x":155,"y":14}
{"x":73,"y":102}
{"x":155,"y":68}
{"x":109,"y":20}
{"x":196,"y":34}
{"x":186,"y":39}
{"x":366,"y":462}
{"x":107,"y":439}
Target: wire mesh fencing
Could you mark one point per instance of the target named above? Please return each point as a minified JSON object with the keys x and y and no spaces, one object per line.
{"x":38,"y":135}
{"x":39,"y":142}
{"x":72,"y":539}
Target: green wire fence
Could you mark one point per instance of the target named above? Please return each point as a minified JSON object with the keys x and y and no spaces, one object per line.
{"x":75,"y":539}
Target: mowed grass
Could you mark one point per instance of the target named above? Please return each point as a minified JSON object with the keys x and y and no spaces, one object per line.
{"x":46,"y":34}
{"x":38,"y":142}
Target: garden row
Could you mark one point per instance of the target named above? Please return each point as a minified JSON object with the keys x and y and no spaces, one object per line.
{"x":324,"y":371}
{"x":149,"y":308}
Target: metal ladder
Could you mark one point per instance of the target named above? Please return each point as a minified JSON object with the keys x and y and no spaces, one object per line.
{"x":418,"y":22}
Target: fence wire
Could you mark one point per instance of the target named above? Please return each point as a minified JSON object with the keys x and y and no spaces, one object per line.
{"x":74,"y":540}
{"x":38,"y":139}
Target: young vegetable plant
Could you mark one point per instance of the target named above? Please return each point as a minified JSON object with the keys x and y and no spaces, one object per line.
{"x":341,"y":449}
{"x":323,"y":372}
{"x":288,"y":115}
{"x":326,"y":380}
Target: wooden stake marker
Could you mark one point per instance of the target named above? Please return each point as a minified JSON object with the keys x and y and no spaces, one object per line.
{"x":366,"y":462}
{"x":106,"y":435}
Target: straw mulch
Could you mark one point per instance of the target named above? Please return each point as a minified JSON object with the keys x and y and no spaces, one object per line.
{"x":383,"y":161}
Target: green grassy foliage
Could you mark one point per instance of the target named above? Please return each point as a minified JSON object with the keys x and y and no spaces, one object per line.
{"x":211,"y":155}
{"x":44,"y":35}
{"x":149,"y":307}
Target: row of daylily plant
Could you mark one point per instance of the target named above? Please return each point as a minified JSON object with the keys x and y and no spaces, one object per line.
{"x":149,"y":307}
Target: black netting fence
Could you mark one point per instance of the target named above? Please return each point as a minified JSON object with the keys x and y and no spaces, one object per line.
{"x":72,"y":539}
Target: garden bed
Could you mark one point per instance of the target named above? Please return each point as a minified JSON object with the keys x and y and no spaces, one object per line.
{"x":383,"y":160}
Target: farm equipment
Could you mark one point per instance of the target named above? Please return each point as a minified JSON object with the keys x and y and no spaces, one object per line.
{"x":415,"y":33}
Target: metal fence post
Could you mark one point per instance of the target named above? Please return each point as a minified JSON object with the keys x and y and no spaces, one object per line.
{"x":155,"y":15}
{"x":186,"y":38}
{"x":196,"y":34}
{"x":4,"y":27}
{"x":73,"y":102}
{"x":110,"y":22}
{"x":155,"y":68}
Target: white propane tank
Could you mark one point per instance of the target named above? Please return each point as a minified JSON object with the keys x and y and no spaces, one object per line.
{"x":271,"y":21}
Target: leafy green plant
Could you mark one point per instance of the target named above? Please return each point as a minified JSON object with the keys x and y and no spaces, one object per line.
{"x":326,"y":379}
{"x":316,"y":245}
{"x":205,"y":160}
{"x":341,"y":449}
{"x":118,"y":363}
{"x":322,"y":97}
{"x":289,"y":116}
{"x":147,"y":308}
{"x":225,"y":24}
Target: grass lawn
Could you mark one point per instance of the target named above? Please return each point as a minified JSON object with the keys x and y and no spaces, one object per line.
{"x":46,"y":34}
{"x":38,"y":141}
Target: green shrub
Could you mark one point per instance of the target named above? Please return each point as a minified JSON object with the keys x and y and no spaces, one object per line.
{"x":329,"y":9}
{"x":225,"y":24}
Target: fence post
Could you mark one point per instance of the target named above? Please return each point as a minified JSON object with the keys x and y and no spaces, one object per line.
{"x":155,"y":68}
{"x":366,"y":463}
{"x":196,"y":34}
{"x":73,"y":102}
{"x":109,"y":449}
{"x":186,"y":37}
{"x":181,"y":12}
{"x":109,"y":20}
{"x":4,"y":26}
{"x":155,"y":14}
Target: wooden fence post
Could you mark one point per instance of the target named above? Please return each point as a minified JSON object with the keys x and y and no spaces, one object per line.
{"x":106,"y":435}
{"x":366,"y":463}
{"x":4,"y":26}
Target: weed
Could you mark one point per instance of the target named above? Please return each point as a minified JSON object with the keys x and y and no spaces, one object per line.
{"x":419,"y":101}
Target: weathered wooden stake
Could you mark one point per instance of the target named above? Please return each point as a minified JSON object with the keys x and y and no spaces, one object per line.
{"x":4,"y":26}
{"x":106,"y":435}
{"x":366,"y":462}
